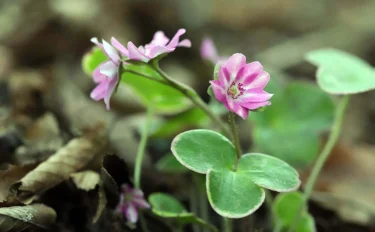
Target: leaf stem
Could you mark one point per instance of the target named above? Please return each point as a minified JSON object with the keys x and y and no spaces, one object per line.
{"x":236,"y":140}
{"x":141,"y":148}
{"x":333,"y":137}
{"x":227,"y":224}
{"x":193,"y":96}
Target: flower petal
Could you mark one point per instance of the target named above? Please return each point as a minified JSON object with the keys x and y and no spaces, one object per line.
{"x":208,"y":50}
{"x":160,"y":39}
{"x":111,"y":52}
{"x":248,"y":72}
{"x":184,"y":43}
{"x":254,"y":95}
{"x":131,"y":213}
{"x":109,"y":69}
{"x":224,"y":77}
{"x":234,"y":64}
{"x":119,"y":47}
{"x":140,"y":203}
{"x":100,"y":91}
{"x":110,"y":89}
{"x":174,"y":41}
{"x":97,"y":43}
{"x":97,"y":76}
{"x":255,"y":105}
{"x":236,"y":108}
{"x":136,"y":54}
{"x":157,"y":50}
{"x":257,"y":82}
{"x":219,"y":90}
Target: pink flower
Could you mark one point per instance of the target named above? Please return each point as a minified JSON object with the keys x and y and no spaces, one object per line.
{"x":240,"y":85}
{"x":105,"y":75}
{"x":160,"y":44}
{"x":131,"y":200}
{"x":209,"y":51}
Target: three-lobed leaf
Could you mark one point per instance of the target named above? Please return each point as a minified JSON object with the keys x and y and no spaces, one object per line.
{"x":340,"y":72}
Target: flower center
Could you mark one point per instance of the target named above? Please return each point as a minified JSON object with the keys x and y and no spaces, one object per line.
{"x":235,"y":90}
{"x":128,"y":197}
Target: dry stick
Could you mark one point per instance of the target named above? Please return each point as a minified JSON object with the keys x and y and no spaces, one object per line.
{"x":333,"y":137}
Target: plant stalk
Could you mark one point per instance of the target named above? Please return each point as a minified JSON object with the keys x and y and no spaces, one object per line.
{"x":193,"y":96}
{"x":235,"y":137}
{"x":333,"y":137}
{"x":141,"y":148}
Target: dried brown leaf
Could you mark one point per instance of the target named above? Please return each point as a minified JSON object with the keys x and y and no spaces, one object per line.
{"x":9,"y":176}
{"x":86,"y":180}
{"x":346,"y":184}
{"x":19,"y":218}
{"x":67,"y":160}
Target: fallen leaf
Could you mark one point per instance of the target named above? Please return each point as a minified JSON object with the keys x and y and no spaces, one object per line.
{"x":67,"y":160}
{"x":86,"y":180}
{"x":346,"y":183}
{"x":31,"y":217}
{"x":8,"y":177}
{"x":114,"y":173}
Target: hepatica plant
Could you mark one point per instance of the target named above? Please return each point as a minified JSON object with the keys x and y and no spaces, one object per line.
{"x":235,"y":182}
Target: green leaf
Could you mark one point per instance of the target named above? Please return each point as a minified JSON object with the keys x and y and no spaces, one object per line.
{"x":92,"y":59}
{"x":233,"y":194}
{"x":216,"y":71}
{"x":165,"y":99}
{"x":299,"y":109}
{"x":194,"y":117}
{"x":341,"y":73}
{"x":170,"y":164}
{"x":285,"y":208}
{"x":201,"y":150}
{"x":164,"y":205}
{"x":269,"y":172}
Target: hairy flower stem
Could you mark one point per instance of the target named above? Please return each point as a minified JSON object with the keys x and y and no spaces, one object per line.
{"x":333,"y":137}
{"x":236,"y":140}
{"x":141,"y":148}
{"x":193,"y":96}
{"x":227,"y":224}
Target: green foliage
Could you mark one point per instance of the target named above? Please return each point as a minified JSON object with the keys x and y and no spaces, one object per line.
{"x":92,"y":59}
{"x":269,"y":172}
{"x":170,"y":164}
{"x":289,"y":129}
{"x":194,"y":117}
{"x":166,"y":206}
{"x":232,"y":192}
{"x":285,"y":209}
{"x":201,"y":150}
{"x":341,"y":73}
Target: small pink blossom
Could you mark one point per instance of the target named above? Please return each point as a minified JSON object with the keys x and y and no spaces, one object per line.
{"x":240,"y":85}
{"x":160,"y":44}
{"x":105,"y":75}
{"x":131,"y":200}
{"x":209,"y":51}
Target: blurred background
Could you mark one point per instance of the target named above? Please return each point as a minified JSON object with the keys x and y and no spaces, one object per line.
{"x":44,"y":93}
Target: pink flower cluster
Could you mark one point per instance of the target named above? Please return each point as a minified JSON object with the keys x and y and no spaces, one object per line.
{"x":106,"y":74}
{"x":131,"y":200}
